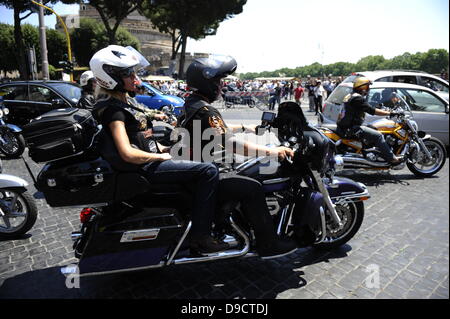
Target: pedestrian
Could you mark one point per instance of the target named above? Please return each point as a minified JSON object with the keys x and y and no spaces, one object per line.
{"x":318,"y":94}
{"x":298,"y":94}
{"x":310,"y":85}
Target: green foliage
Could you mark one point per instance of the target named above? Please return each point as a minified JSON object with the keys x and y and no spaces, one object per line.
{"x":7,"y":56}
{"x":91,"y":36}
{"x":432,"y":61}
{"x":184,"y":19}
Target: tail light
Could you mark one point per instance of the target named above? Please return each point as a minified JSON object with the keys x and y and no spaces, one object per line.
{"x":86,"y":215}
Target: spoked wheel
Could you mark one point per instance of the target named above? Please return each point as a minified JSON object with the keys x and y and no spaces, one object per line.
{"x":352,"y":215}
{"x":18,"y":212}
{"x":420,"y":165}
{"x":11,"y":144}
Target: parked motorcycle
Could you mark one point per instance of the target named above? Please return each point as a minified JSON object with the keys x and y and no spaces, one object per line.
{"x":129,"y":223}
{"x":423,"y":155}
{"x":18,"y":211}
{"x":12,"y":143}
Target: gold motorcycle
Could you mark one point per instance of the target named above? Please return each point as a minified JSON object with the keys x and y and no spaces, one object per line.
{"x":423,"y":155}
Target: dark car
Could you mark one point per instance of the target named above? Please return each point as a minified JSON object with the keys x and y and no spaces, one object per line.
{"x":27,"y":100}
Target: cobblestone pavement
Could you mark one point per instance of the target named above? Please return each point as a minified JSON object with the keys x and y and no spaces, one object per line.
{"x":401,"y":251}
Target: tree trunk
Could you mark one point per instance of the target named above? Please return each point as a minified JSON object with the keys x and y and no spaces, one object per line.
{"x":183,"y":56}
{"x":22,"y":62}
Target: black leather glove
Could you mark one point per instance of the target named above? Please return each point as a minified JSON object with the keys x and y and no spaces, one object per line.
{"x":392,"y":114}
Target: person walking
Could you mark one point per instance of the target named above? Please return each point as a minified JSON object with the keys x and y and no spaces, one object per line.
{"x":310,"y":85}
{"x":298,"y":94}
{"x":318,"y":95}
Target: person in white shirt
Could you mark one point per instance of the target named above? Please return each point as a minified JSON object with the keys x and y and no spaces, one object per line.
{"x":319,"y":91}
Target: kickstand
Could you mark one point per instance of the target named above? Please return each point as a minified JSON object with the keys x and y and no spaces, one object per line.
{"x":29,"y":170}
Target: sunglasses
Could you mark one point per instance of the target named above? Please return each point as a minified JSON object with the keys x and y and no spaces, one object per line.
{"x":126,"y":73}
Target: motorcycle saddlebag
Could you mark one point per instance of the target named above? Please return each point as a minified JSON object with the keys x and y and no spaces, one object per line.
{"x":59,"y":134}
{"x":77,"y":181}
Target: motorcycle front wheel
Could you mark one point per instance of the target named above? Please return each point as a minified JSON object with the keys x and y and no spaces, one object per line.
{"x":420,"y":165}
{"x":12,"y":144}
{"x":18,"y":212}
{"x":352,"y":215}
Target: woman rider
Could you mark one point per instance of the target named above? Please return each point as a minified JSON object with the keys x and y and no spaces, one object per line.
{"x":114,"y":69}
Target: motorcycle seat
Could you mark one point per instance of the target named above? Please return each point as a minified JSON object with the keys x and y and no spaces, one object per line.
{"x":332,"y":127}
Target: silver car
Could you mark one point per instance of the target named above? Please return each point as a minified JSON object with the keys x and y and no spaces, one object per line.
{"x":430,"y":110}
{"x":437,"y":84}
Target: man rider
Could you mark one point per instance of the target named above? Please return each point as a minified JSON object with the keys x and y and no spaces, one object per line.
{"x":352,"y":117}
{"x":204,"y":78}
{"x":88,"y":84}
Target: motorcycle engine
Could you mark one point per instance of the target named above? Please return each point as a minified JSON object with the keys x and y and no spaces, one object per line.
{"x":390,"y":140}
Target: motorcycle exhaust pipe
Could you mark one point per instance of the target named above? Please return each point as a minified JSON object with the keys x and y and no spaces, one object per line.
{"x":353,"y":162}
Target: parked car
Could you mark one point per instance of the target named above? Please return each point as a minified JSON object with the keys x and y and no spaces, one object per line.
{"x":430,"y":110}
{"x":27,"y":100}
{"x":437,"y":84}
{"x":155,"y":99}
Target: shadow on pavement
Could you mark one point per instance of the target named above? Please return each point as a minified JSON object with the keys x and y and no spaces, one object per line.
{"x":250,"y":278}
{"x":377,"y":179}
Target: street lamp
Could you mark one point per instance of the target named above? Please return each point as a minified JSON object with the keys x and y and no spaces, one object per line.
{"x":69,"y":50}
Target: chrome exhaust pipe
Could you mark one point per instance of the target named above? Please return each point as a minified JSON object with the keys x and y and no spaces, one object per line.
{"x":357,"y":162}
{"x":219,"y":255}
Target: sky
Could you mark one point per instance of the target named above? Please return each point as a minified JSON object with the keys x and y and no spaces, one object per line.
{"x":273,"y":34}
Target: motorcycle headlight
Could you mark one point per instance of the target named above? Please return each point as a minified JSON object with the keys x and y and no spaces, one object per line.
{"x":1,"y":113}
{"x":5,"y":110}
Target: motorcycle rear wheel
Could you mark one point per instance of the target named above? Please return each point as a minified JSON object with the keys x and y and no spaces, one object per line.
{"x":19,"y":212}
{"x":418,"y":163}
{"x":352,"y":215}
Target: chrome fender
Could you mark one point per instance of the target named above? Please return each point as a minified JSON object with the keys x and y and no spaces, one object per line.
{"x":11,"y":181}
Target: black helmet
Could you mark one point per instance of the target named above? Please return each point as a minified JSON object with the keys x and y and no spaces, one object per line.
{"x":204,"y":74}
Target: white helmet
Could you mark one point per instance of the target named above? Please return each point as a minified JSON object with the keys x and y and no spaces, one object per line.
{"x":111,"y":64}
{"x":85,"y":77}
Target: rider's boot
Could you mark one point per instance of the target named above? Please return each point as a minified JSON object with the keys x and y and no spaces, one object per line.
{"x":207,"y":245}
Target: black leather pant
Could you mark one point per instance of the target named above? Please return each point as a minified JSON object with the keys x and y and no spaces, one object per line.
{"x":250,"y":194}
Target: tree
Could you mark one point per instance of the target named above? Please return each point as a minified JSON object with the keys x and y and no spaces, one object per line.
{"x":112,"y":13}
{"x":22,"y":10}
{"x":434,"y":60}
{"x":91,"y":36}
{"x":7,"y":53}
{"x":184,"y":19}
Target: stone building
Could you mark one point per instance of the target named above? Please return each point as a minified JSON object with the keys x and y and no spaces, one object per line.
{"x":155,"y":46}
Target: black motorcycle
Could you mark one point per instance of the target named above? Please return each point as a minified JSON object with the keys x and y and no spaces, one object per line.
{"x":128,"y":223}
{"x":12,"y":143}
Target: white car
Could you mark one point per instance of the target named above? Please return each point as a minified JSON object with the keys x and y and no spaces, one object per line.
{"x":429,"y":109}
{"x":437,"y":84}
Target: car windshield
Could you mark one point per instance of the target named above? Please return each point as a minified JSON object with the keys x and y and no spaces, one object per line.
{"x":69,"y":91}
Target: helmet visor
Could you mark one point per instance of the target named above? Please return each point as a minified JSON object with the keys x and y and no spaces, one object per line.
{"x":219,"y":66}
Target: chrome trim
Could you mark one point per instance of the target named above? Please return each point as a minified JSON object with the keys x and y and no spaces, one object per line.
{"x":223,"y":254}
{"x":188,"y":228}
{"x":276,"y":180}
{"x":327,"y":199}
{"x":338,"y":199}
{"x":282,"y":219}
{"x":161,"y":264}
{"x":324,"y":226}
{"x":134,"y":236}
